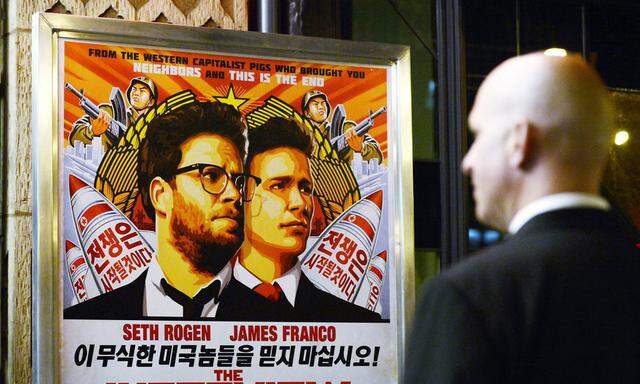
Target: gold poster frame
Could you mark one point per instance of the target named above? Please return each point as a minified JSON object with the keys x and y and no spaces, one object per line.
{"x":49,"y":29}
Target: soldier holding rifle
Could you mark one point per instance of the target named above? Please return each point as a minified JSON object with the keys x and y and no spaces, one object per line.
{"x":113,"y":119}
{"x":316,"y":108}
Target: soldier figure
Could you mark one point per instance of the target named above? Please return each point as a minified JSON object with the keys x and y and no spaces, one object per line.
{"x":142,"y":96}
{"x":316,"y":108}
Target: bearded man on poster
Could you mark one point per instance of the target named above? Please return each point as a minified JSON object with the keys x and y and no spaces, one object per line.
{"x":268,"y":283}
{"x":191,"y":183}
{"x":556,"y":302}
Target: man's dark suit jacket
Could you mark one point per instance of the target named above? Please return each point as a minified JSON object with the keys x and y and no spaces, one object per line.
{"x":558,"y":302}
{"x":124,"y":303}
{"x":312,"y":304}
{"x":237,"y":302}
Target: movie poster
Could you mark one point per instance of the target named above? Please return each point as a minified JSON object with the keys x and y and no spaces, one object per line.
{"x":225,"y":219}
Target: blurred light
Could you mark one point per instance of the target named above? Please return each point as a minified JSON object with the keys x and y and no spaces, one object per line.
{"x":621,"y":137}
{"x":491,"y":237}
{"x":431,"y":95}
{"x":475,"y":238}
{"x":558,"y":52}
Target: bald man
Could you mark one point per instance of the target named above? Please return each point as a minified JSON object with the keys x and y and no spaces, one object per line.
{"x":556,"y":302}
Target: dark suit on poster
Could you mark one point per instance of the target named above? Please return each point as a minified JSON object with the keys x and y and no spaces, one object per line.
{"x":124,"y":303}
{"x":312,"y":304}
{"x":237,"y":302}
{"x":555,"y":303}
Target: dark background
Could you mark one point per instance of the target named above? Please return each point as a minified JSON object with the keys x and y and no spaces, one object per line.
{"x":605,"y":32}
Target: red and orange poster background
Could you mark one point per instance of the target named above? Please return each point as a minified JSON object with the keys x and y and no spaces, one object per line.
{"x":87,"y":69}
{"x":240,"y":81}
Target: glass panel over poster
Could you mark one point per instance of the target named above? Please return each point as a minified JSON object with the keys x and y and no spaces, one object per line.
{"x":225,"y":213}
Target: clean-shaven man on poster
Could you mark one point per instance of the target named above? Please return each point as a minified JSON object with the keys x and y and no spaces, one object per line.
{"x":557,"y":301}
{"x":191,"y":181}
{"x":268,"y":283}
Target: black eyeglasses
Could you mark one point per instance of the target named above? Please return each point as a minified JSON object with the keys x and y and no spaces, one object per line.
{"x":214,"y":179}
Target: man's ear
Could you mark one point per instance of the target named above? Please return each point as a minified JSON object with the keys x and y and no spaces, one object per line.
{"x":161,"y":196}
{"x":521,"y":144}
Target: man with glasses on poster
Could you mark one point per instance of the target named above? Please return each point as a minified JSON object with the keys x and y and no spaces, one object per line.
{"x":192,"y":184}
{"x":268,"y":283}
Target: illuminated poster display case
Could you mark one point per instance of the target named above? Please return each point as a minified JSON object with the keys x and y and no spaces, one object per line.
{"x":218,"y":206}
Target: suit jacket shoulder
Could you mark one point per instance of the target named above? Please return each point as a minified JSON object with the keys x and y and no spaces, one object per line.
{"x":124,"y":303}
{"x":314,"y":304}
{"x":553,"y":303}
{"x":238,"y":302}
{"x":546,"y":254}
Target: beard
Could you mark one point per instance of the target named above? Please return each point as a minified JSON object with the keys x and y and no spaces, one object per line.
{"x":193,"y":236}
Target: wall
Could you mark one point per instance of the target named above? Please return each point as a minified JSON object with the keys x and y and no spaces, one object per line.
{"x":411,"y":22}
{"x":16,"y":145}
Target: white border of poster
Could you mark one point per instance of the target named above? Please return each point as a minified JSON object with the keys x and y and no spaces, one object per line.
{"x":57,"y":354}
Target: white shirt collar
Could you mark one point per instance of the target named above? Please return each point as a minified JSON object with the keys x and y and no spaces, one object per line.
{"x":288,"y":282}
{"x":157,"y":303}
{"x":554,"y":202}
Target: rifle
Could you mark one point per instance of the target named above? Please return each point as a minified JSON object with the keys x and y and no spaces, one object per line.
{"x":340,"y":142}
{"x":116,"y":126}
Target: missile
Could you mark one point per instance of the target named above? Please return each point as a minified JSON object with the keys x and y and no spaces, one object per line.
{"x":339,"y":260}
{"x":375,"y":276}
{"x":115,"y":252}
{"x":77,"y":270}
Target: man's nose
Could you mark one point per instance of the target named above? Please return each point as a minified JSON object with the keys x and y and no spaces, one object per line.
{"x":466,"y":163}
{"x":296,"y":200}
{"x":231,"y":193}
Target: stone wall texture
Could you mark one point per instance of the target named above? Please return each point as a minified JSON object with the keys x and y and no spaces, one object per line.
{"x":227,"y":14}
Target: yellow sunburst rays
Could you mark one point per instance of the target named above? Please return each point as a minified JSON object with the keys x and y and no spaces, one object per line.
{"x":297,"y":92}
{"x":359,"y":108}
{"x":231,"y":98}
{"x":195,"y":83}
{"x":163,"y":82}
